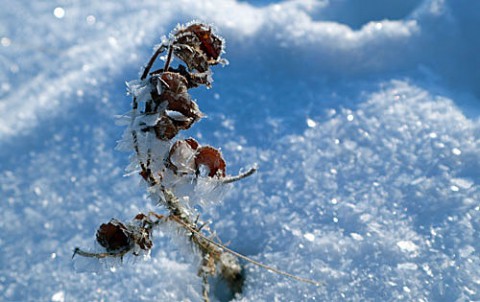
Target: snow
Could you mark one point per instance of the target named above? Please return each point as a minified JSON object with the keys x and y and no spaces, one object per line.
{"x":363,"y":121}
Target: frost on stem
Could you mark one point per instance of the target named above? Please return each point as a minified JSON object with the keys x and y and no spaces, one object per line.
{"x":178,"y":173}
{"x":161,"y":108}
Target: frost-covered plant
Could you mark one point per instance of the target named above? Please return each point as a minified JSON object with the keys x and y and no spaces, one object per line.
{"x":179,"y":173}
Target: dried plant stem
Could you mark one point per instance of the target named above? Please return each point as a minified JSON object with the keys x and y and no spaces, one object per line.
{"x":240,"y":176}
{"x":211,"y":253}
{"x":152,"y":60}
{"x":169,"y":58}
{"x":145,"y":169}
{"x":119,"y":254}
{"x":223,"y":247}
{"x":178,"y":214}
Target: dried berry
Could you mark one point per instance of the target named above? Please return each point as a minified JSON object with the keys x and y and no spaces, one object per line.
{"x":193,"y":79}
{"x":198,"y":46}
{"x":212,"y":159}
{"x":187,"y":108}
{"x":172,"y":89}
{"x":165,"y":129}
{"x":181,"y":158}
{"x":114,"y":236}
{"x":211,"y":45}
{"x":193,"y":143}
{"x":173,"y":83}
{"x":187,"y":157}
{"x":179,"y":110}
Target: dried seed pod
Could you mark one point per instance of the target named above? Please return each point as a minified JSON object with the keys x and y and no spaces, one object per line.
{"x":193,"y":143}
{"x":170,"y":87}
{"x":176,"y":94}
{"x":114,"y":236}
{"x":165,"y":129}
{"x":193,"y":79}
{"x":183,"y":113}
{"x":181,"y":158}
{"x":198,"y":46}
{"x":174,"y":83}
{"x":211,"y":44}
{"x":212,"y":159}
{"x":172,"y":97}
{"x":188,"y":157}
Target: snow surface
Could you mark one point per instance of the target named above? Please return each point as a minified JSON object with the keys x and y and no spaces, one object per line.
{"x":363,"y":121}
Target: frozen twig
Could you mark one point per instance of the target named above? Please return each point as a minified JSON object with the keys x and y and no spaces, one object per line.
{"x":240,"y":176}
{"x":149,"y":65}
{"x":118,"y":254}
{"x":228,"y":250}
{"x":211,"y":253}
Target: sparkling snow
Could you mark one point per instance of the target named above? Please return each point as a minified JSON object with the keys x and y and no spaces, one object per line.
{"x":363,"y":122}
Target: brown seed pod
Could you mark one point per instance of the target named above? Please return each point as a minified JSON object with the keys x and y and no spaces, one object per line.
{"x":193,"y":79}
{"x":170,"y":87}
{"x":114,"y":236}
{"x":180,"y":109}
{"x":165,"y":129}
{"x":193,"y":143}
{"x":211,"y":45}
{"x":181,"y":158}
{"x":183,"y":114}
{"x":198,"y":46}
{"x":174,"y":83}
{"x":212,"y":159}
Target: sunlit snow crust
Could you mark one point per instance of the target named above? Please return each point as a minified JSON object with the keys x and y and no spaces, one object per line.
{"x":365,"y":132}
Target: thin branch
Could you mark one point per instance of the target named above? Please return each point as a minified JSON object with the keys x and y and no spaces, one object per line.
{"x":169,"y":58}
{"x":152,"y":60}
{"x":238,"y":177}
{"x":118,"y":254}
{"x":135,"y":138}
